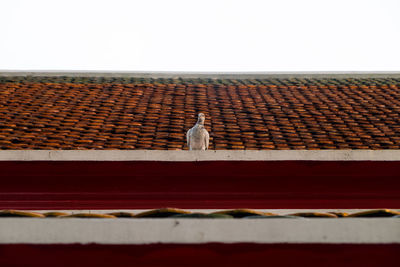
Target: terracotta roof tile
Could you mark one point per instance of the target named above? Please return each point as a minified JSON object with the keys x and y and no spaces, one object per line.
{"x":144,"y":113}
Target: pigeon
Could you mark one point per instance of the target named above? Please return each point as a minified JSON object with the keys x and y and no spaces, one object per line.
{"x":198,"y":137}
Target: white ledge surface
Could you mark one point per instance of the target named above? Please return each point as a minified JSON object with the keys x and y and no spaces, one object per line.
{"x":209,"y":155}
{"x":196,"y":231}
{"x":212,"y":75}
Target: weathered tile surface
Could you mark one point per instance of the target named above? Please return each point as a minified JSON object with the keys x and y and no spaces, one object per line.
{"x":134,"y":113}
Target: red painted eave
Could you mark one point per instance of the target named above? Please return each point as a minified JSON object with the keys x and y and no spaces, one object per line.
{"x":204,"y":184}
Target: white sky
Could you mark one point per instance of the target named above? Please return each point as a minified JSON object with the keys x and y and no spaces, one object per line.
{"x":206,"y":35}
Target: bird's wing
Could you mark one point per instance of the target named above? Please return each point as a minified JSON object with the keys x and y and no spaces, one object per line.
{"x":188,"y":138}
{"x":207,"y":138}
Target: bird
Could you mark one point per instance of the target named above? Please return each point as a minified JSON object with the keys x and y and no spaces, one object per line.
{"x":197,"y":137}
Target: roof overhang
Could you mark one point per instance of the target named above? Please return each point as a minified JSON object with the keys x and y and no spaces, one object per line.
{"x":208,"y":155}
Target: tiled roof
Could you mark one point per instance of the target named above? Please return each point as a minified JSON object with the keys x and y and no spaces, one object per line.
{"x":144,"y":113}
{"x":224,"y":214}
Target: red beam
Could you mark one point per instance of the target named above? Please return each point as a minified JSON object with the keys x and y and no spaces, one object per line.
{"x":213,"y":254}
{"x":214,"y":184}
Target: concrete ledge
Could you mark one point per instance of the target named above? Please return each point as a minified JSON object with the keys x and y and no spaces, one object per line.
{"x":197,"y":231}
{"x":209,"y":155}
{"x":212,"y":75}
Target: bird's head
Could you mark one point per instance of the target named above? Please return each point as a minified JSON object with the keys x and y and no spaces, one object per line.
{"x":201,"y":118}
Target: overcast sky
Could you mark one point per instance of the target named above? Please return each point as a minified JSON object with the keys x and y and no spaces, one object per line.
{"x":206,"y":35}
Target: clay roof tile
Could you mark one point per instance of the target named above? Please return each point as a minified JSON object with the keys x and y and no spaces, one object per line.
{"x":146,"y":113}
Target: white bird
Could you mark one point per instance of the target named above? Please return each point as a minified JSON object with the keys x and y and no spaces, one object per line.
{"x":198,"y":137}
